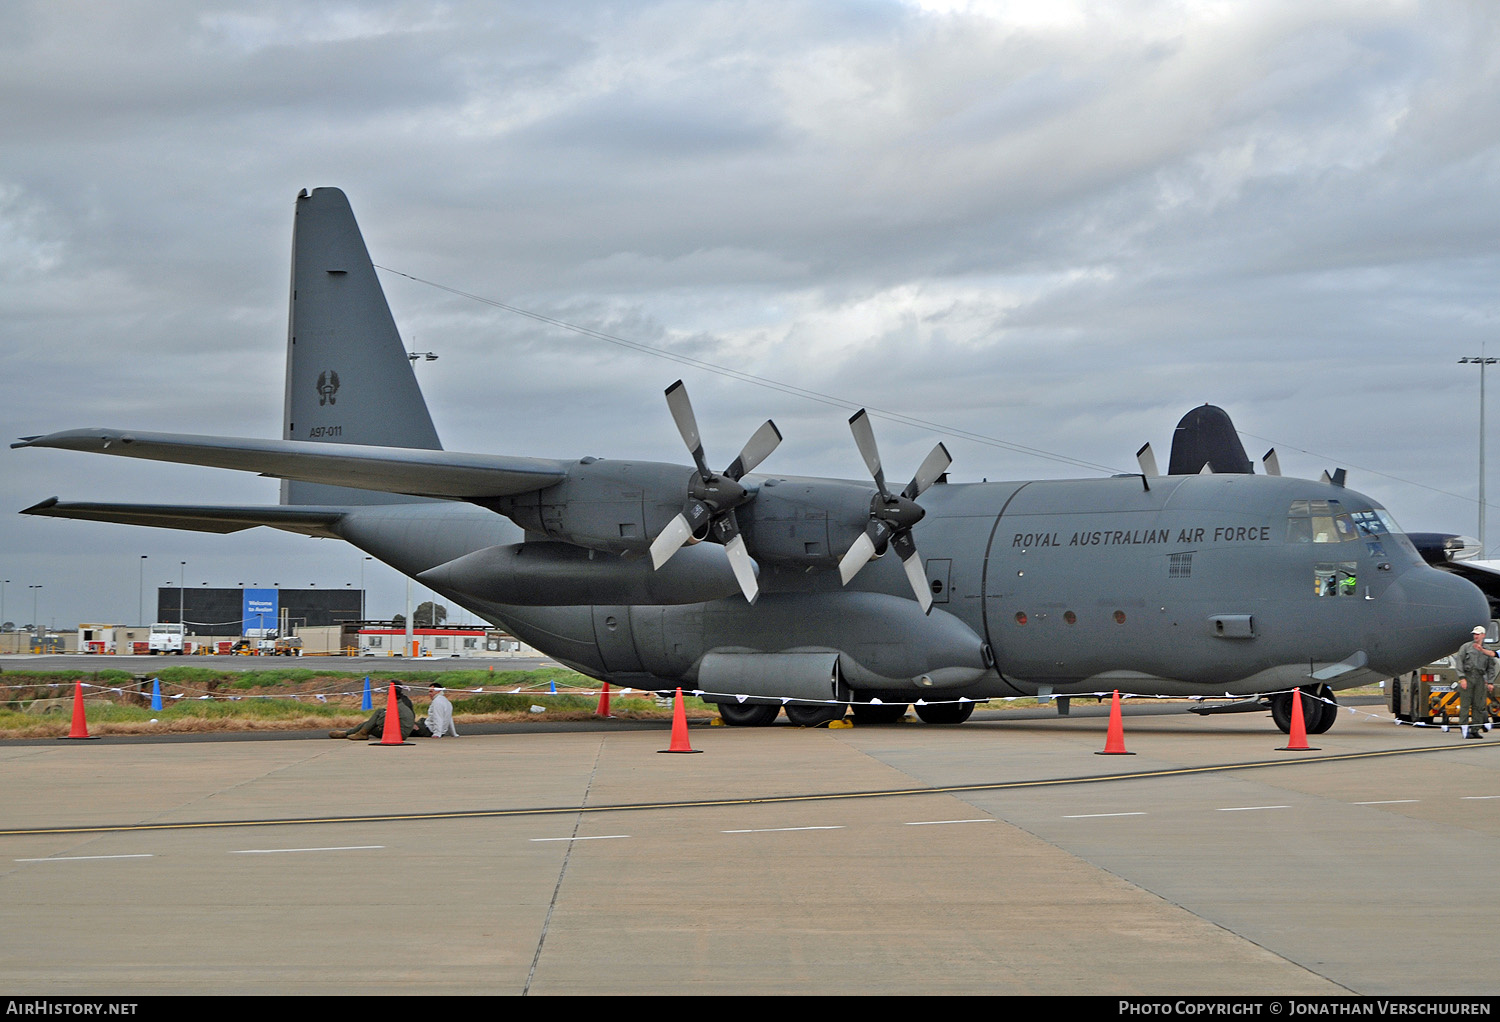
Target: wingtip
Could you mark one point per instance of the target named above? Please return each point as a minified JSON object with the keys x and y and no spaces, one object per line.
{"x":25,"y":441}
{"x":38,"y":508}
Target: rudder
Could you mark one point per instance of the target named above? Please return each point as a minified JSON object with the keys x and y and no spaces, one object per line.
{"x":348,"y":378}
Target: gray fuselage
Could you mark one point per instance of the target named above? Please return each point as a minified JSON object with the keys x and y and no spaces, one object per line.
{"x":1207,"y":585}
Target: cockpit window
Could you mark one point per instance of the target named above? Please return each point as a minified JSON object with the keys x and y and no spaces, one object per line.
{"x":1337,"y":578}
{"x":1319,"y":521}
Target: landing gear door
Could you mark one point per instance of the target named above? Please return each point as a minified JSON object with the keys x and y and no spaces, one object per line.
{"x":616,"y":640}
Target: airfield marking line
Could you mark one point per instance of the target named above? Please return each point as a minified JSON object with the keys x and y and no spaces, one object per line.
{"x":86,"y":858}
{"x":936,"y":823}
{"x":595,"y":837}
{"x":1248,"y":809}
{"x":1479,"y":797}
{"x":776,"y":830}
{"x":1097,"y":816}
{"x":1388,"y":802}
{"x":621,"y":807}
{"x":278,"y":851}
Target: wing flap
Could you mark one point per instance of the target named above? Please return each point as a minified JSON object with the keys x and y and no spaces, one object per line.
{"x":451,"y":475}
{"x":306,"y":520}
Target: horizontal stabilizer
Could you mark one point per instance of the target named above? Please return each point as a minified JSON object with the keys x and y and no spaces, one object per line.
{"x":306,"y":520}
{"x":421,"y":473}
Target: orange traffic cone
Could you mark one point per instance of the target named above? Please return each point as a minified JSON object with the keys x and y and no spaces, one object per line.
{"x":602,"y":710}
{"x":80,"y":722}
{"x":679,"y":728}
{"x":1114,"y":740}
{"x":392,"y":732}
{"x":1297,"y":741}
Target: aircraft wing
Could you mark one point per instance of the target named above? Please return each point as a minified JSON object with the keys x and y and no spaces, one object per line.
{"x":421,"y":473}
{"x":305,"y":520}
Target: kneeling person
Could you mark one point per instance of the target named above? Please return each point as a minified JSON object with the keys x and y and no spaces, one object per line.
{"x":375,"y":726}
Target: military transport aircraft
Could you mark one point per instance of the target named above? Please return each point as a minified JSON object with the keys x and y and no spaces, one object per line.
{"x":764,"y":591}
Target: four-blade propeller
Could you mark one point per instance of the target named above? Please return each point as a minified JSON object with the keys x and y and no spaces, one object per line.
{"x":708,"y":511}
{"x":892,"y":516}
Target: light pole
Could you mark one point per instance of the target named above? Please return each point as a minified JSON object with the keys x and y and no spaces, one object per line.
{"x":3,"y":583}
{"x":140,"y":596}
{"x":181,"y":594}
{"x":362,"y":587}
{"x":1481,"y":361}
{"x":36,"y":629}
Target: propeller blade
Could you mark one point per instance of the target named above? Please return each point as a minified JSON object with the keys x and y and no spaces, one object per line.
{"x":916,"y":572}
{"x":687,"y":424}
{"x":857,"y":557}
{"x":670,"y":540}
{"x":864,"y":438}
{"x":743,"y":565}
{"x":933,"y":466}
{"x":756,"y":450}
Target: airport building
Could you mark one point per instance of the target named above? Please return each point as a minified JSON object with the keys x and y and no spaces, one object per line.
{"x":238,"y":611}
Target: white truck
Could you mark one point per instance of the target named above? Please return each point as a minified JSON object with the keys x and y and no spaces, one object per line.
{"x":165,"y":637}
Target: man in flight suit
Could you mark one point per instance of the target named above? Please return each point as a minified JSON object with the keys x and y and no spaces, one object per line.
{"x":1476,"y":673}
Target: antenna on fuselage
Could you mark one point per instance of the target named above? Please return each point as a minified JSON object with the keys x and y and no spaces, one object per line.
{"x":1146,"y":458}
{"x":1272,"y":464}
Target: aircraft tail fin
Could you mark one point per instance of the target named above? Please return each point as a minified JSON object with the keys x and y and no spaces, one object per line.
{"x":348,"y":378}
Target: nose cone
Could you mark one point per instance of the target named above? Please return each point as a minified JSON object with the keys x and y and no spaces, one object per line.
{"x":1425,"y":614}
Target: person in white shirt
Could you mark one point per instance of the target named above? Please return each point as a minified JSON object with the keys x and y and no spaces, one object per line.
{"x":440,"y":713}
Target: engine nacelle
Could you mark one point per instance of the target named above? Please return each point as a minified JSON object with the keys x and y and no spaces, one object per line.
{"x":613,"y":506}
{"x":561,"y":575}
{"x":621,"y":506}
{"x":805,"y":522}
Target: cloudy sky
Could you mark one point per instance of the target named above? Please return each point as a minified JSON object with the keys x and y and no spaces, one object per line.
{"x":1053,"y":225}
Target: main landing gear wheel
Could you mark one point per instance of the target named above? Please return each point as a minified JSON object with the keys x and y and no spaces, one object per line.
{"x":748,"y":714}
{"x":813,"y":714}
{"x":878,"y":713}
{"x":944,"y":713}
{"x":1316,"y":715}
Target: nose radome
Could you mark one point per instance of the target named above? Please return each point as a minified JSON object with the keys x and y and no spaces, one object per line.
{"x":1425,"y":614}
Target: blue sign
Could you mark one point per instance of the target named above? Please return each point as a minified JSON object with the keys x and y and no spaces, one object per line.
{"x":260,"y":609}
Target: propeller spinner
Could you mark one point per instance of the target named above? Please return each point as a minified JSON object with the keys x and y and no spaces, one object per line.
{"x":708,"y":511}
{"x":892,"y":516}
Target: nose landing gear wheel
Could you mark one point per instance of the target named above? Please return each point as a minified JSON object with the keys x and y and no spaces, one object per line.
{"x":1317,"y":715}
